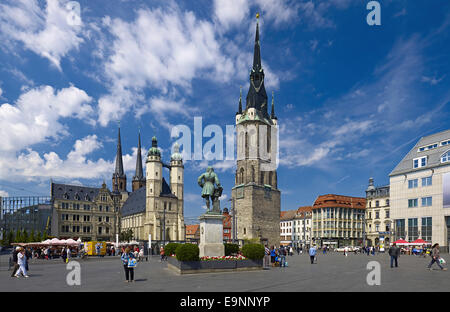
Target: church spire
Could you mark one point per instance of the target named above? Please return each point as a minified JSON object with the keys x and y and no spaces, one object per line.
{"x":138,"y":179}
{"x":240,"y":104}
{"x":272,"y":115}
{"x":257,"y":96}
{"x":139,"y":171}
{"x":119,"y":177}
{"x":257,"y":51}
{"x":119,"y":162}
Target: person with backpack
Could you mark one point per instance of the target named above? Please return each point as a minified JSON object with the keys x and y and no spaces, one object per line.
{"x":129,"y":263}
{"x":435,"y":258}
{"x":273,"y":255}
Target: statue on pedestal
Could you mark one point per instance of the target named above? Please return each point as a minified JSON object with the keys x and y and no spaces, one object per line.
{"x":210,"y":192}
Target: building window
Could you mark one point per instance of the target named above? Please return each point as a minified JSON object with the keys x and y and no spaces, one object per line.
{"x":400,"y":228}
{"x":413,"y":229}
{"x":387,"y":202}
{"x":412,"y":203}
{"x":413,"y":183}
{"x":387,"y":214}
{"x":445,"y":157}
{"x":427,"y":201}
{"x":377,"y":203}
{"x":377,"y":215}
{"x":99,"y":230}
{"x":426,"y":229}
{"x":427,"y":181}
{"x":420,"y":162}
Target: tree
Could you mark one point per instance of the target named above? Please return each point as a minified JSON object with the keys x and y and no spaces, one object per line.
{"x":10,"y":238}
{"x":32,"y":237}
{"x":38,"y":236}
{"x":44,"y":236}
{"x":25,"y":236}
{"x":18,"y":237}
{"x":126,"y":235}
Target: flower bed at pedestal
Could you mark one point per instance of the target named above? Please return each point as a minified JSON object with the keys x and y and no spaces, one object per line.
{"x":214,"y":264}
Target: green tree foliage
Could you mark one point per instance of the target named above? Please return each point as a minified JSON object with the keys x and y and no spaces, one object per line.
{"x":170,"y":248}
{"x":231,"y":249}
{"x":253,"y":251}
{"x":187,"y":252}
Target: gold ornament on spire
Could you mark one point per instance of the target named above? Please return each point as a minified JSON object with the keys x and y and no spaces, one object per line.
{"x":257,"y":15}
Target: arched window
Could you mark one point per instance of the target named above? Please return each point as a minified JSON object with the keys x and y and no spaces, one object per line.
{"x":446,"y":157}
{"x":253,"y":174}
{"x":241,"y":176}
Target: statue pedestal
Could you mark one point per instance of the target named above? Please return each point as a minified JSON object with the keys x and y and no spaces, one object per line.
{"x":211,"y":235}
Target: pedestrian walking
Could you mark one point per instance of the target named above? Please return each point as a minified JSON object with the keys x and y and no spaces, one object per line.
{"x":163,"y":254}
{"x":312,"y":253}
{"x":266,"y":257}
{"x":68,"y":254}
{"x":291,"y":251}
{"x":14,"y":259}
{"x":129,"y":263}
{"x":21,"y":261}
{"x":282,"y":253}
{"x":436,"y":258}
{"x":273,"y":255}
{"x":394,"y":252}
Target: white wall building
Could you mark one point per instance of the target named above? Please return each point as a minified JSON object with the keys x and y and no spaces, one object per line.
{"x":420,"y":192}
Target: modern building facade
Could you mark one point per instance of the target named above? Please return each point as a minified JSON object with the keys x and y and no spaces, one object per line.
{"x":420,"y":192}
{"x":378,"y":225}
{"x":256,"y":197}
{"x":30,"y":213}
{"x":338,"y":220}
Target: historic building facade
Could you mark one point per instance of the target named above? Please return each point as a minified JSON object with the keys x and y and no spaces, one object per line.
{"x":378,"y":225}
{"x":420,"y":192}
{"x":338,"y":220}
{"x":83,"y":212}
{"x":156,"y":208}
{"x":255,"y":194}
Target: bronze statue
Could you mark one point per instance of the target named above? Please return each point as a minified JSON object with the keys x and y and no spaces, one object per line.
{"x":207,"y":181}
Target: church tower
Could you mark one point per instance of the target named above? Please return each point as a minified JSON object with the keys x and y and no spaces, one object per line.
{"x":138,"y":179}
{"x":154,"y":183}
{"x":256,"y":197}
{"x":119,"y":179}
{"x":177,"y":186}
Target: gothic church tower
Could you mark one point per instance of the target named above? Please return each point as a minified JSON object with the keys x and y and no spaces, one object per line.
{"x":256,"y":197}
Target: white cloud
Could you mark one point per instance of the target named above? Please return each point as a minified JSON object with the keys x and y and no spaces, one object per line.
{"x":31,"y":166}
{"x":44,"y":31}
{"x":231,"y":12}
{"x":37,"y":116}
{"x":3,"y":193}
{"x":163,"y":50}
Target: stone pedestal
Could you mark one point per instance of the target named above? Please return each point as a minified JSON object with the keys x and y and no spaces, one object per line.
{"x":211,"y":235}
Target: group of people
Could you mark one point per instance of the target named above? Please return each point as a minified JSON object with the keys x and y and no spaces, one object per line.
{"x":277,"y":256}
{"x":394,"y":253}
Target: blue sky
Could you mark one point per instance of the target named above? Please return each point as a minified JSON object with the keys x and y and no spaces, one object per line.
{"x":351,"y":99}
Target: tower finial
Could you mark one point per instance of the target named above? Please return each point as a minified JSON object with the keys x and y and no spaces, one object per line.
{"x":272,"y":115}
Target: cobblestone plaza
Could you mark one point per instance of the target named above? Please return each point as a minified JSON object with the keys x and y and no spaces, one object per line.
{"x":333,"y":272}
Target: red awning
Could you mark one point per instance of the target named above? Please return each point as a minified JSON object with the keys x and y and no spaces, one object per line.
{"x":401,"y":242}
{"x":420,"y":242}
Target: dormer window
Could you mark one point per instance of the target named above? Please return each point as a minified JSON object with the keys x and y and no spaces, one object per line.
{"x":446,"y":157}
{"x":420,"y":162}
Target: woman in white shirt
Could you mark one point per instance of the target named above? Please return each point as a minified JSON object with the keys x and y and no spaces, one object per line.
{"x":21,"y":261}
